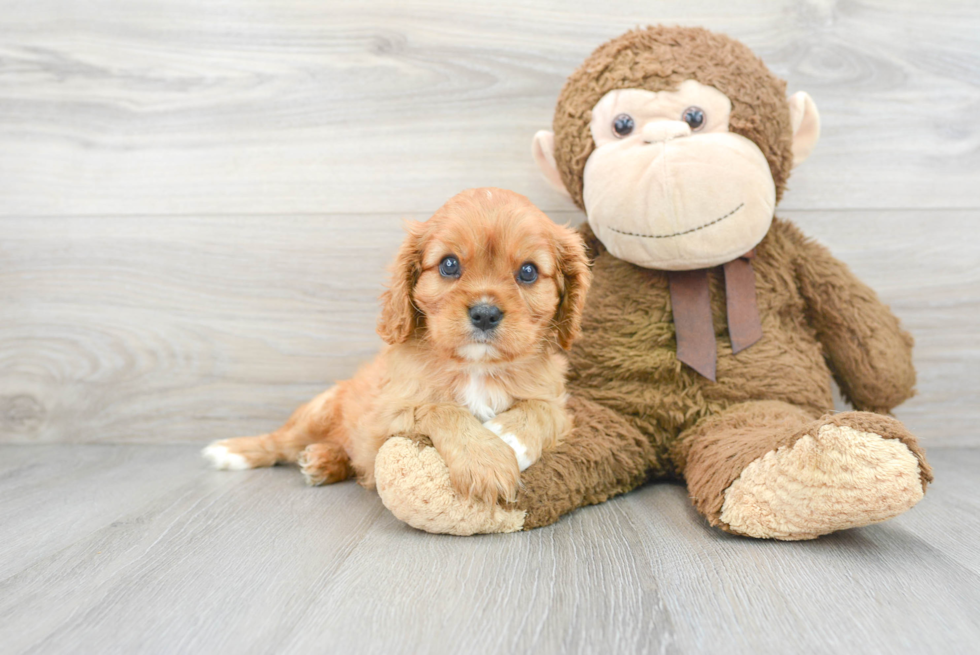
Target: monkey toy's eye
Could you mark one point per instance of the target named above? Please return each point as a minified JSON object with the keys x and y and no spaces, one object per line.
{"x":527,"y":273}
{"x":449,"y":266}
{"x":623,"y":125}
{"x":693,"y":116}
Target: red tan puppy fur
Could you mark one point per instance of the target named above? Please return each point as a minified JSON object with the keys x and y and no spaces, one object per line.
{"x":485,"y":297}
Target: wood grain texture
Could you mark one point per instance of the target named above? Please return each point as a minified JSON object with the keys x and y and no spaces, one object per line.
{"x":154,"y":554}
{"x":151,"y":326}
{"x":301,"y":106}
{"x":156,"y":329}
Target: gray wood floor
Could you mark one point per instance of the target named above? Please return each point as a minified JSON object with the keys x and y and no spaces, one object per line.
{"x":139,"y":548}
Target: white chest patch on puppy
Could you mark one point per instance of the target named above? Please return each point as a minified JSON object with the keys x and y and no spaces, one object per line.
{"x":520,"y":450}
{"x":483,"y":398}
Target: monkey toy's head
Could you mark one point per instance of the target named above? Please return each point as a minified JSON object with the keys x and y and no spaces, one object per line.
{"x":677,"y":143}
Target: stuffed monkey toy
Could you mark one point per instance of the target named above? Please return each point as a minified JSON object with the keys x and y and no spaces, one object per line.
{"x":712,"y":328}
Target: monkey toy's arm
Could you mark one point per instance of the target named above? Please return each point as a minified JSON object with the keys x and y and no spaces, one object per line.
{"x":868,"y":352}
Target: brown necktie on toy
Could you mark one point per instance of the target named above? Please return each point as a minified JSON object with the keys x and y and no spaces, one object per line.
{"x":691,"y":303}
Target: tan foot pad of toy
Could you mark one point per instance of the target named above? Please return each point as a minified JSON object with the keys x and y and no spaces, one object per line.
{"x":413,"y":482}
{"x":840,"y":478}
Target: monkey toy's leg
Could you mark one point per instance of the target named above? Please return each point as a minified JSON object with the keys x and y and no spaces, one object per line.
{"x":602,"y":457}
{"x":767,"y":469}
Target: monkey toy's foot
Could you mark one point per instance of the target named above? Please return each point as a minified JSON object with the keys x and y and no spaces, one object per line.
{"x":413,"y":482}
{"x":850,"y":471}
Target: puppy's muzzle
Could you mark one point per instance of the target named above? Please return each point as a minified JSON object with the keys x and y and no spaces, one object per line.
{"x":485,"y":317}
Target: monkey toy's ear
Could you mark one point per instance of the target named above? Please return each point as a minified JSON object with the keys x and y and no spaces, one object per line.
{"x":543,"y":151}
{"x":805,"y":121}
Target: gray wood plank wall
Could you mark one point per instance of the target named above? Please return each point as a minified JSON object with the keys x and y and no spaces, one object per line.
{"x":197,"y":200}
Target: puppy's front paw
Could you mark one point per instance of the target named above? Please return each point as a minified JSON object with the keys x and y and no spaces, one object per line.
{"x":486,"y":470}
{"x":524,"y":459}
{"x":237,"y":454}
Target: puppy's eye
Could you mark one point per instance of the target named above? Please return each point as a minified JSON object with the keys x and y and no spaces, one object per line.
{"x":527,"y":273}
{"x":449,"y":266}
{"x":623,"y":125}
{"x":693,"y":116}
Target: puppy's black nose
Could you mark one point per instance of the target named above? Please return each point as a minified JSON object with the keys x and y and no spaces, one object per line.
{"x":485,"y":317}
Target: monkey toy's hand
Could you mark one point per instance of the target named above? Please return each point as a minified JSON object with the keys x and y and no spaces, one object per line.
{"x":414,"y":483}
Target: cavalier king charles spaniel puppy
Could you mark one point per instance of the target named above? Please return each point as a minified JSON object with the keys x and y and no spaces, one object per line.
{"x":485,"y":296}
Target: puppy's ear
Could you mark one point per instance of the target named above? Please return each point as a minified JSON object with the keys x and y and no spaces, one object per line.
{"x":399,"y":316}
{"x":573,"y":264}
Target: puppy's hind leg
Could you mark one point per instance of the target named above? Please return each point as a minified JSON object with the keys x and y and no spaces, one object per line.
{"x":309,"y":424}
{"x":325,"y":463}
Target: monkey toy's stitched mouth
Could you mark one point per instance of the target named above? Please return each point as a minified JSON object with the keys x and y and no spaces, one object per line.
{"x":678,"y":234}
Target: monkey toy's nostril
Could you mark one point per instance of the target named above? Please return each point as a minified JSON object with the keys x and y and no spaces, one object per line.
{"x":485,"y":317}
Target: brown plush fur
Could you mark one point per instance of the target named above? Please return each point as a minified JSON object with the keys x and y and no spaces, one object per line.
{"x":628,"y":382}
{"x":658,"y":59}
{"x":606,"y":456}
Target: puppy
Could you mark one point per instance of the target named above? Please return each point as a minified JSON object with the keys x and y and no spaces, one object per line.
{"x":484,"y":297}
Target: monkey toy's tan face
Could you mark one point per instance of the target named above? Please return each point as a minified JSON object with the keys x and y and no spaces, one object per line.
{"x":668,"y":186}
